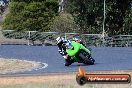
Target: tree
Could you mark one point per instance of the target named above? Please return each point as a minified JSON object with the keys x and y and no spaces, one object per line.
{"x":118,"y":13}
{"x":31,"y":15}
{"x":89,"y":15}
{"x":64,"y":22}
{"x":128,"y":22}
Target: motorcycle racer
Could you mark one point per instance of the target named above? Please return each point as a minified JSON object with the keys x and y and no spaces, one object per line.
{"x":63,"y":45}
{"x":62,"y":50}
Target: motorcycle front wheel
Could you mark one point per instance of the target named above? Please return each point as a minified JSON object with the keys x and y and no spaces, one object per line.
{"x":86,"y":60}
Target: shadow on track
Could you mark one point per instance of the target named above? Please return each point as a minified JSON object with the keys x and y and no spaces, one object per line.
{"x":81,"y":64}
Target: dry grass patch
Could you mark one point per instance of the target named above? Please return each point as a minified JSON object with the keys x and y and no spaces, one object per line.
{"x":58,"y":81}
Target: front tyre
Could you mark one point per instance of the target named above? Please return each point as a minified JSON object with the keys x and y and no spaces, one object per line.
{"x":86,"y":60}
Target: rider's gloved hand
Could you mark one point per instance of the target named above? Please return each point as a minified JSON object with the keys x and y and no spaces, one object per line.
{"x":66,"y":56}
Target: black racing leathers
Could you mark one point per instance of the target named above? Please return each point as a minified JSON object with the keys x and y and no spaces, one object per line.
{"x":62,"y":51}
{"x":61,"y":48}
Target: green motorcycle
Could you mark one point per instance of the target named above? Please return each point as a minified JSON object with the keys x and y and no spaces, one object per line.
{"x":79,"y":53}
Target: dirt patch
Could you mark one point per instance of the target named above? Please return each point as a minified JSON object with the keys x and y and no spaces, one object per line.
{"x":35,"y":79}
{"x":10,"y":65}
{"x":15,"y":65}
{"x":67,"y":80}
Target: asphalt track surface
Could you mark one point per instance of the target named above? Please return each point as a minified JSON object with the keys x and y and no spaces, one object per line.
{"x":107,"y":58}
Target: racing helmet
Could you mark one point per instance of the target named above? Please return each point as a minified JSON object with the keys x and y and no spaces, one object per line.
{"x":69,"y":44}
{"x":60,"y":39}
